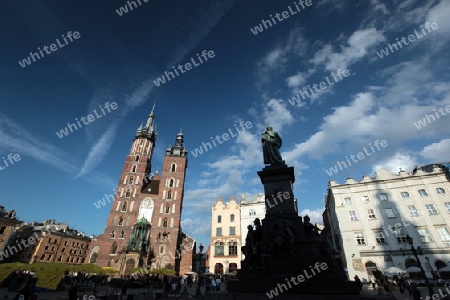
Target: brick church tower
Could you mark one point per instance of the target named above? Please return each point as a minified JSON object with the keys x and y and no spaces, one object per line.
{"x":143,"y":227}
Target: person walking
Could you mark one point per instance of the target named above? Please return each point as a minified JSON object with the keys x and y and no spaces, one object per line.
{"x":416,"y":295}
{"x":358,"y":281}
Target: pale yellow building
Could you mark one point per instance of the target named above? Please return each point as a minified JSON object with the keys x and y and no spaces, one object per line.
{"x":225,"y":252}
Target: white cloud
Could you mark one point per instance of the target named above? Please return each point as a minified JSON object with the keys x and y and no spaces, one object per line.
{"x":296,"y":80}
{"x":314,"y":214}
{"x":99,"y":150}
{"x":276,"y":59}
{"x":276,"y":114}
{"x":196,"y":226}
{"x":358,"y":46}
{"x":401,"y":160}
{"x":437,"y":152}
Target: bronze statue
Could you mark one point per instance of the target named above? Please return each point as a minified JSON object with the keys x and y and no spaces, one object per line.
{"x":311,"y":231}
{"x":271,"y":144}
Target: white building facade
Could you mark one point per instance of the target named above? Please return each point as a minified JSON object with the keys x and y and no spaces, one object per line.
{"x":251,"y":208}
{"x":225,"y":250}
{"x":369,"y":221}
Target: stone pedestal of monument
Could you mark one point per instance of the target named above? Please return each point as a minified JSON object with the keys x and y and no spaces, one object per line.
{"x":292,"y":258}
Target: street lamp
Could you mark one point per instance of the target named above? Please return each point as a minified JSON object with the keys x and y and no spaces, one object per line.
{"x":199,"y":263}
{"x":422,"y":271}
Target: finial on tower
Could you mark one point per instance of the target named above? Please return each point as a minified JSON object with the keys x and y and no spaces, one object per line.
{"x":153,"y":108}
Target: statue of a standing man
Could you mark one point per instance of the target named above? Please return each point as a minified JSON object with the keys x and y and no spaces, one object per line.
{"x":271,"y":144}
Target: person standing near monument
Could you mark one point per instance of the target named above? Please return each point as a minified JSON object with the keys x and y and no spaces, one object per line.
{"x":271,"y":144}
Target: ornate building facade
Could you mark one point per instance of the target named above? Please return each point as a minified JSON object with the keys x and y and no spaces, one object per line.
{"x":143,"y":227}
{"x":370,"y":222}
{"x":225,"y":250}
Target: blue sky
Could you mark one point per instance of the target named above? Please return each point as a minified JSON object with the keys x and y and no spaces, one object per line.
{"x":251,"y":78}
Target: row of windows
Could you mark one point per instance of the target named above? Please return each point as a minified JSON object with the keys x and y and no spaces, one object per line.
{"x":400,"y":235}
{"x":390,"y":213}
{"x":173,"y":167}
{"x":121,"y":222}
{"x":219,"y":248}
{"x":219,"y":218}
{"x":232,"y":231}
{"x":384,"y":197}
{"x":71,"y":259}
{"x":112,"y":235}
{"x":71,"y":251}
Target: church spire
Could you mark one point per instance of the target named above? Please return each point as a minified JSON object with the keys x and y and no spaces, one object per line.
{"x":149,"y":130}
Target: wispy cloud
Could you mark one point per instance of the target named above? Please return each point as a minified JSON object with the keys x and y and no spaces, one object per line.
{"x":26,"y":144}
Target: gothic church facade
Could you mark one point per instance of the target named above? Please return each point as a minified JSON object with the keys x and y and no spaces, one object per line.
{"x":143,"y":228}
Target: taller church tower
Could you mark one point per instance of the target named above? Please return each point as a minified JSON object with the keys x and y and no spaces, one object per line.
{"x":143,"y":227}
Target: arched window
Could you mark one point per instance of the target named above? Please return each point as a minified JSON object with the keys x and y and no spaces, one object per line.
{"x":410,"y":262}
{"x":370,"y":267}
{"x":173,"y":168}
{"x":136,"y":159}
{"x":219,"y":219}
{"x":124,"y":206}
{"x":121,"y":221}
{"x":232,"y":268}
{"x":218,"y":269}
{"x":165,"y":223}
{"x":93,"y":257}
{"x":131,"y":180}
{"x":133,"y":169}
{"x":111,"y":235}
{"x":439,"y":264}
{"x":167,"y":209}
{"x":171,"y":182}
{"x":127,"y":194}
{"x":113,"y":248}
{"x":232,"y":218}
{"x":169,"y":194}
{"x":122,"y":233}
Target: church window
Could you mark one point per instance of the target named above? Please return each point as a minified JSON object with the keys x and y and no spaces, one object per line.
{"x":173,"y":168}
{"x":171,"y":182}
{"x":122,"y":233}
{"x":111,"y":235}
{"x":113,"y":248}
{"x":121,"y":221}
{"x":127,"y":194}
{"x":169,"y":194}
{"x":165,"y":224}
{"x":136,"y":159}
{"x":167,"y":209}
{"x":131,"y":181}
{"x":133,"y":169}
{"x":124,"y":206}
